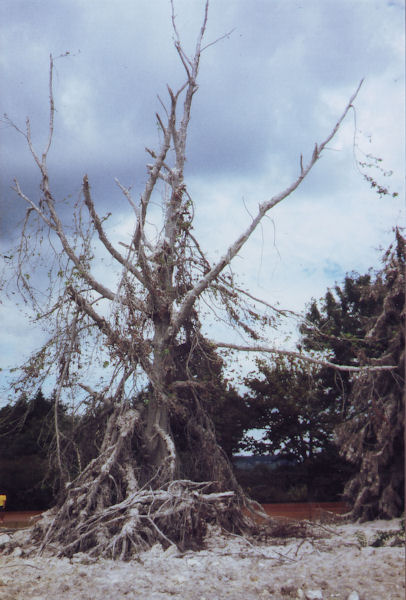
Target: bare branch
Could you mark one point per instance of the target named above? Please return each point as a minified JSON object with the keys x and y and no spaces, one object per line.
{"x":105,"y":241}
{"x":233,"y":250}
{"x":37,"y":209}
{"x":153,"y":177}
{"x":222,"y":37}
{"x":113,"y":337}
{"x":51,"y":109}
{"x":305,"y":358}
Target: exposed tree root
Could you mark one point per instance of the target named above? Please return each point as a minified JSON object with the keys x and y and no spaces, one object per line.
{"x":178,"y":513}
{"x":118,"y":506}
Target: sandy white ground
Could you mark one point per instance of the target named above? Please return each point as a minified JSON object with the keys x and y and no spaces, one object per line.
{"x":333,"y":564}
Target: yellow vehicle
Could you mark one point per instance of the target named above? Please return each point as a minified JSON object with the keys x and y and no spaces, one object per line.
{"x":3,"y":500}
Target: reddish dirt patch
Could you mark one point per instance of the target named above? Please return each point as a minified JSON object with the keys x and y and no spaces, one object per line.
{"x":19,"y":518}
{"x":305,"y":510}
{"x":298,"y":510}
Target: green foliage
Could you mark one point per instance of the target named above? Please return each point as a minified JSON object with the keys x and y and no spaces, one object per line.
{"x":197,"y":361}
{"x":337,"y":323}
{"x":304,"y":410}
{"x":23,"y":479}
{"x":232,"y":418}
{"x":283,"y":484}
{"x":318,"y":480}
{"x":291,"y":406}
{"x":25,"y":427}
{"x":26,"y":434}
{"x":289,"y":401}
{"x":336,"y":326}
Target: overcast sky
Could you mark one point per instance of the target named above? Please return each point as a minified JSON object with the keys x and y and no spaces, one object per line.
{"x":267,"y":93}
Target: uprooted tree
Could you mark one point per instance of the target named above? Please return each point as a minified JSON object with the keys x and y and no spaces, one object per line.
{"x":157,"y":472}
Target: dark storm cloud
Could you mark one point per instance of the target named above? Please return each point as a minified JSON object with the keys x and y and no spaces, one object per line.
{"x":259,"y":91}
{"x":266,"y":95}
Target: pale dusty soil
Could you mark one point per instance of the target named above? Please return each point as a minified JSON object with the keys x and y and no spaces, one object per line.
{"x":231,"y":568}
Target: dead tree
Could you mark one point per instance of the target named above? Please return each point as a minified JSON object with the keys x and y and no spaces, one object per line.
{"x":144,"y":484}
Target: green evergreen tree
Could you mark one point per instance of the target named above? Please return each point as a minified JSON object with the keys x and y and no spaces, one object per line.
{"x":372,"y":438}
{"x":26,"y":434}
{"x":297,"y":414}
{"x":335,"y":327}
{"x":291,"y":406}
{"x":362,"y":323}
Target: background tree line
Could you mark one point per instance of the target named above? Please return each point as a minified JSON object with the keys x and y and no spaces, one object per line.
{"x":341,"y":434}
